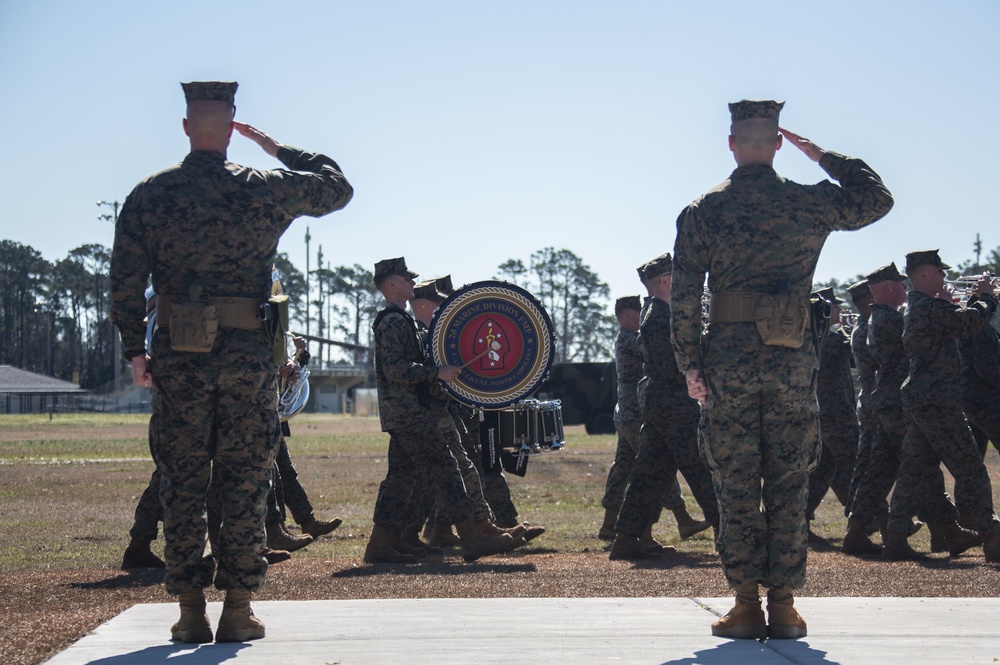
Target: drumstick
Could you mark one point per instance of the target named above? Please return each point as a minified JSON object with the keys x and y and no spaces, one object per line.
{"x":493,"y":347}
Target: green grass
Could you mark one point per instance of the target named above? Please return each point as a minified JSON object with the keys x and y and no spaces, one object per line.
{"x":69,"y":498}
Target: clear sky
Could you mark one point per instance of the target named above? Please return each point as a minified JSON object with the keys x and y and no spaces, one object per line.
{"x":476,"y":132}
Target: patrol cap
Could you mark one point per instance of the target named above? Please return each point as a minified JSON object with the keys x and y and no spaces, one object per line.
{"x":428,"y":291}
{"x":927,"y":257}
{"x":388,"y":267}
{"x":661,"y":265}
{"x":444,"y":285}
{"x":628,"y":302}
{"x":859,"y":290}
{"x":641,"y":271}
{"x":211,"y":91}
{"x":755,"y":109}
{"x":887,"y":273}
{"x":828,"y":295}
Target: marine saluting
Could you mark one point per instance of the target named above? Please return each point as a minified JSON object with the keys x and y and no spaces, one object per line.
{"x":758,"y":237}
{"x":206,"y":230}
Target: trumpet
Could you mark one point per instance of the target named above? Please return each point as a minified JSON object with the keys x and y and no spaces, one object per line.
{"x":965,"y":286}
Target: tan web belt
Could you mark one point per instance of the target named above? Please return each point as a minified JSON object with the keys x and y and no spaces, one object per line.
{"x":242,"y":313}
{"x":733,"y":306}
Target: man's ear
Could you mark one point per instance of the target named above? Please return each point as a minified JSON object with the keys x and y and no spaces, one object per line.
{"x":184,"y":123}
{"x":777,"y":146}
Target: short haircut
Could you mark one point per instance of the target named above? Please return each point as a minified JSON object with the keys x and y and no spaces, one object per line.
{"x":756,"y":133}
{"x":209,"y":118}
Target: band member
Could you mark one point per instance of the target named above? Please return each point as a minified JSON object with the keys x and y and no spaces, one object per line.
{"x":669,"y":432}
{"x":938,"y":431}
{"x":418,"y":457}
{"x":758,"y":237}
{"x":838,"y":419}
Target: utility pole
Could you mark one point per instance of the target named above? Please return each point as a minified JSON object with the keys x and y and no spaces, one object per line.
{"x":978,"y":247}
{"x":113,"y":218}
{"x":308,"y":238}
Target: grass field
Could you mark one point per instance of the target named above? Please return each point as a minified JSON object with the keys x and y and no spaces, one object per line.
{"x":69,"y":486}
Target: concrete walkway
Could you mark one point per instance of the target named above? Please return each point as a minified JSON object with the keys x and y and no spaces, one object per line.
{"x":480,"y":631}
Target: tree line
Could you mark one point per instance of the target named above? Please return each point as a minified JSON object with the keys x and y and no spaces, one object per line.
{"x":55,"y":316}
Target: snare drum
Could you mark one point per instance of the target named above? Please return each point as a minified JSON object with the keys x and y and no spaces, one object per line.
{"x":509,"y":428}
{"x":547,"y":431}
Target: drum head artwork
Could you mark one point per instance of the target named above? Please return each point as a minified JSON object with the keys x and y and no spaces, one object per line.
{"x":503,"y":336}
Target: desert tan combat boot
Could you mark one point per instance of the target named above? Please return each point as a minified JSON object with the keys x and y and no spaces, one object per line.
{"x":897,"y":548}
{"x":688,"y":526}
{"x":746,"y":620}
{"x":409,"y":543}
{"x":607,"y":530}
{"x":476,"y":544}
{"x":279,"y":538}
{"x":856,"y":542}
{"x":237,"y":623}
{"x":193,"y":627}
{"x":516,"y":533}
{"x":958,"y":539}
{"x":317,"y":528}
{"x":653,"y":545}
{"x":440,"y":534}
{"x":991,"y":547}
{"x":630,"y":548}
{"x":783,"y":620}
{"x":380,"y":549}
{"x":139,"y":554}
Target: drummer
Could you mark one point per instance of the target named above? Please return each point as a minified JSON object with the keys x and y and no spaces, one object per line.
{"x":494,"y":482}
{"x":417,"y":455}
{"x":425,"y":301}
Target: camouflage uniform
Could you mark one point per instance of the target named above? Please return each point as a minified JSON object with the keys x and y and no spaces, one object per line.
{"x":838,"y":422}
{"x":932,"y":399}
{"x":885,"y":346}
{"x":208,"y":227}
{"x":418,"y":456}
{"x":449,"y":426}
{"x":759,"y":428}
{"x":871,"y":433}
{"x":496,"y":491}
{"x":980,"y":381}
{"x":669,"y":433}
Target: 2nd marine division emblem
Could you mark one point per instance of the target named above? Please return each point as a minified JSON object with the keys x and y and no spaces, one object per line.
{"x":502,"y":338}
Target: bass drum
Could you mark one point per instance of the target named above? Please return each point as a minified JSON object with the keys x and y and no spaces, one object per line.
{"x":502,"y":338}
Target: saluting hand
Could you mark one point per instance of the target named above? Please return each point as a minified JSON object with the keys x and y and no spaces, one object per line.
{"x":812,"y":151}
{"x":269,"y":145}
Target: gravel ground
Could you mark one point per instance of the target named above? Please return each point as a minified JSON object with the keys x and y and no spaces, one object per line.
{"x":47,"y":611}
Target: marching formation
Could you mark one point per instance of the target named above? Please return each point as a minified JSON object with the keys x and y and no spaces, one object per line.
{"x":731,"y":372}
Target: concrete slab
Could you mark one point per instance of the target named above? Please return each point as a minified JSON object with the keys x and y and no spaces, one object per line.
{"x":482,"y":631}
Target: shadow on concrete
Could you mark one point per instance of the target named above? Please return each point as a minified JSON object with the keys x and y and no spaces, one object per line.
{"x":756,"y":651}
{"x":176,"y":654}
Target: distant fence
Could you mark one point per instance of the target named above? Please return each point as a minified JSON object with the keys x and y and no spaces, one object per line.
{"x":68,"y":403}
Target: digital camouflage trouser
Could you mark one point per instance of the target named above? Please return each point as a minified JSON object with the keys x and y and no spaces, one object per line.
{"x":626,"y":451}
{"x":218,"y":426}
{"x":759,"y":436}
{"x":939,"y":434}
{"x":419,"y":458}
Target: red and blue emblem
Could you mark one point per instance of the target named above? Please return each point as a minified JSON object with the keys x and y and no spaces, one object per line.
{"x":502,"y":337}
